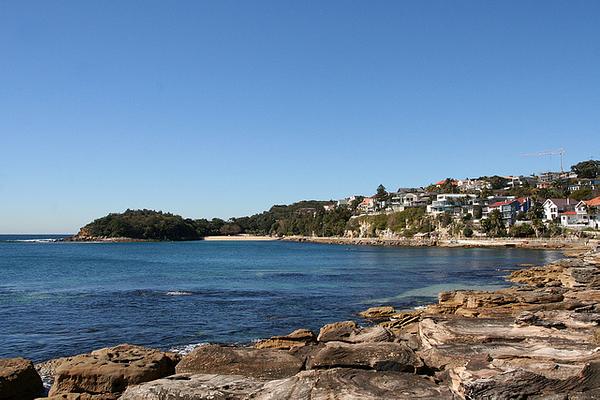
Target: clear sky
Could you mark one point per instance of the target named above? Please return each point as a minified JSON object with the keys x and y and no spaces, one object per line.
{"x":223,"y":108}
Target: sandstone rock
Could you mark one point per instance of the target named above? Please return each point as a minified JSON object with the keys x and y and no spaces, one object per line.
{"x":337,"y":331}
{"x":521,"y":384}
{"x":109,"y":371}
{"x":195,"y":387}
{"x":256,"y":363}
{"x":83,"y":396}
{"x":371,"y":334}
{"x":352,"y":384}
{"x":378,"y":312}
{"x":377,"y":356}
{"x":298,"y":338}
{"x":19,"y":379}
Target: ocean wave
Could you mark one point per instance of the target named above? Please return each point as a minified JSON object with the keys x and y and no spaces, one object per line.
{"x":178,"y":293}
{"x":186,"y":348}
{"x":32,"y":240}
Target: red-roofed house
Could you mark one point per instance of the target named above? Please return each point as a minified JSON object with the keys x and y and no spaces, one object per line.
{"x":508,"y":209}
{"x":367,"y":205}
{"x":453,"y":182}
{"x":595,"y":202}
{"x":585,"y":215}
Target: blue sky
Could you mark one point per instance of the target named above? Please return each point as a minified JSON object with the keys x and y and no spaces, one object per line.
{"x":224,"y":108}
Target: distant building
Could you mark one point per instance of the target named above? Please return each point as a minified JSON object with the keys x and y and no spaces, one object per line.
{"x":452,"y":203}
{"x":546,"y":178}
{"x":329,"y":207}
{"x":585,"y":215}
{"x":453,"y":182}
{"x":400,"y":200}
{"x":519,"y":181}
{"x":473,"y":185}
{"x":508,"y":210}
{"x":346,"y":201}
{"x":554,"y":207}
{"x":579,"y":184}
{"x":367,"y":206}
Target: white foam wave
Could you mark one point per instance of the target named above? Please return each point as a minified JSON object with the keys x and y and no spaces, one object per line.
{"x":34,"y":240}
{"x":178,"y":293}
{"x":186,"y":349}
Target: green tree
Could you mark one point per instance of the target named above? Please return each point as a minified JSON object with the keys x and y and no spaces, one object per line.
{"x":230,"y":229}
{"x":523,"y":230}
{"x":582,"y":194}
{"x":587,"y":169}
{"x":493,"y":225}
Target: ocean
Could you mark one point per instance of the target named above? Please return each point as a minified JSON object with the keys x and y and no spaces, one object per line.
{"x":59,"y":299}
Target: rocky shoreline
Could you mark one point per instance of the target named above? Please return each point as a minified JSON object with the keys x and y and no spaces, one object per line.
{"x":539,"y":339}
{"x":523,"y":243}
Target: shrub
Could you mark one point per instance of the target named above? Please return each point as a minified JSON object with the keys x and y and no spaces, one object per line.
{"x":523,"y":230}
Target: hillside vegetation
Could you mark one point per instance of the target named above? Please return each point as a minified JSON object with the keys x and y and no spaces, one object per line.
{"x":149,"y":225}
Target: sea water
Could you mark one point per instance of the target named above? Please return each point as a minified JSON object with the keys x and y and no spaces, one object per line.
{"x":60,"y":298}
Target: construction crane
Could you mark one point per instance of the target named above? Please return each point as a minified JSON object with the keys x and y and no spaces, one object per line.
{"x":560,"y":152}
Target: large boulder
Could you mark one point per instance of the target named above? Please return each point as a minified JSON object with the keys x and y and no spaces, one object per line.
{"x":371,"y":334}
{"x":378,"y":356}
{"x":381,"y":312}
{"x":108,"y":372}
{"x":352,"y":384}
{"x":19,"y":380}
{"x":257,"y":363}
{"x":337,"y":331}
{"x":195,"y":387}
{"x":298,"y":338}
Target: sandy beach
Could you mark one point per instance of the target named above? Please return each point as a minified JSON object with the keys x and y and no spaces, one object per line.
{"x":240,"y":238}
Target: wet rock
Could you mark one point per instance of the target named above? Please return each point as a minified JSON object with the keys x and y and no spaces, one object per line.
{"x":298,"y":338}
{"x":256,"y":363}
{"x":108,"y":372}
{"x":352,"y":384}
{"x":195,"y":387}
{"x":377,"y":356}
{"x":378,"y":312}
{"x":19,"y":379}
{"x":48,"y":368}
{"x":337,"y":331}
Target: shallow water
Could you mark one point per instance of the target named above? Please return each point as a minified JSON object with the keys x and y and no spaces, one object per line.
{"x":60,"y":299}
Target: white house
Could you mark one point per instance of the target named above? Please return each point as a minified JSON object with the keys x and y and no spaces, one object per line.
{"x":450,"y":202}
{"x":585,"y":215}
{"x":554,"y":207}
{"x":401,"y":200}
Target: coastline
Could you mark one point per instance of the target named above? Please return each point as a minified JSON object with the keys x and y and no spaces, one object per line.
{"x":522,"y":243}
{"x":470,"y":344}
{"x":240,"y":238}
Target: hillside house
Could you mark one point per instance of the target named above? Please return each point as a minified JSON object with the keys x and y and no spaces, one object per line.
{"x":367,"y":206}
{"x":451,"y":203}
{"x":554,"y":207}
{"x":401,"y":200}
{"x":585,"y":215}
{"x":508,"y":210}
